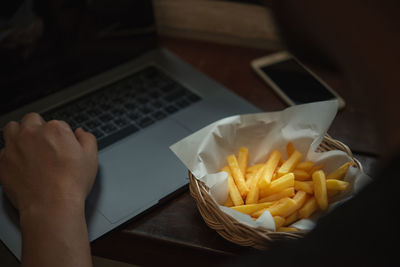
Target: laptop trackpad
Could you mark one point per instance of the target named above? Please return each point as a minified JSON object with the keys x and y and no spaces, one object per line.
{"x":138,"y":171}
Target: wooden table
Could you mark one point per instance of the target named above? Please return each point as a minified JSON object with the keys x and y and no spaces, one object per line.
{"x":174,"y":234}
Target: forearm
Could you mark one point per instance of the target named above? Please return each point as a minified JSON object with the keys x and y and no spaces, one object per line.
{"x":55,"y":236}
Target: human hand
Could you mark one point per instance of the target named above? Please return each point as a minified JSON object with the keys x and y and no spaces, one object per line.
{"x":46,"y":163}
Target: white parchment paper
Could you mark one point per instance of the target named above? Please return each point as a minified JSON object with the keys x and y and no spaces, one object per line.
{"x":204,"y":152}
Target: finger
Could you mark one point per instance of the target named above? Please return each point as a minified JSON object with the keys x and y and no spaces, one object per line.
{"x":10,"y":131}
{"x":65,"y":125}
{"x":87,"y":140}
{"x":32,"y":119}
{"x":59,"y":124}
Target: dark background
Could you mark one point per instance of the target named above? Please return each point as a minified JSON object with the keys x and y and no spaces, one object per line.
{"x":69,"y":40}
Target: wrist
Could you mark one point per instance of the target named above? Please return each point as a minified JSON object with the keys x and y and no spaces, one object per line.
{"x":55,"y":234}
{"x":46,"y":211}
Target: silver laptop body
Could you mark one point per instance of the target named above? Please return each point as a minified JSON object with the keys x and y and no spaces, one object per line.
{"x":139,"y":170}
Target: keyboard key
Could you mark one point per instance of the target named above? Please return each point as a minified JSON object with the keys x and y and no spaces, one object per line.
{"x":142,"y":100}
{"x":48,"y":116}
{"x":80,"y":118}
{"x":106,"y":117}
{"x":183,"y":103}
{"x":168,"y":88}
{"x":73,"y":124}
{"x":121,"y":122}
{"x":90,"y":103}
{"x":94,"y":112}
{"x":130,"y":106}
{"x":118,"y":100}
{"x":108,"y":128}
{"x":134,"y":115}
{"x":118,"y":135}
{"x":96,"y":132}
{"x":157,"y":104}
{"x":63,"y":114}
{"x":171,"y":109}
{"x":130,"y":94}
{"x":158,"y":115}
{"x":145,"y":121}
{"x":76,"y":108}
{"x":175,"y":95}
{"x":193,"y":97}
{"x":84,"y":127}
{"x":91,"y":124}
{"x":155,"y":94}
{"x":117,"y":112}
{"x":146,"y":110}
{"x":106,"y":106}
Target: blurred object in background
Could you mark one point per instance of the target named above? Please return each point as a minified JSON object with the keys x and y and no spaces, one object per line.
{"x":118,"y":18}
{"x":20,"y":30}
{"x":29,"y":28}
{"x":243,"y":23}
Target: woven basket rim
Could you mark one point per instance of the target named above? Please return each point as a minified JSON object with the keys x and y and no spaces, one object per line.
{"x":242,"y":234}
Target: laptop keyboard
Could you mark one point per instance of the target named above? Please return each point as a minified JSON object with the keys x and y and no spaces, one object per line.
{"x":125,"y":107}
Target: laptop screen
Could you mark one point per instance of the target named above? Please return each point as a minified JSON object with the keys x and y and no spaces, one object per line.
{"x":46,"y":46}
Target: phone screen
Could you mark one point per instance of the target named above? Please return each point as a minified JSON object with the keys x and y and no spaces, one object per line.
{"x":296,"y":82}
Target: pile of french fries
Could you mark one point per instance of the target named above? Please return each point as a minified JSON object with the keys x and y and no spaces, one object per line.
{"x":289,"y":189}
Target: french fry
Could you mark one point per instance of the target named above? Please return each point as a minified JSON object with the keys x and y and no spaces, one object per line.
{"x":279,"y":221}
{"x":300,"y":198}
{"x":305,"y":166}
{"x":237,"y":175}
{"x":251,"y":208}
{"x":290,"y":148}
{"x":274,"y":176}
{"x":315,"y":168}
{"x":278,"y":185}
{"x":287,"y":192}
{"x":229,"y":202}
{"x":333,"y":184}
{"x":306,"y":186}
{"x":254,"y":168}
{"x":283,"y":207}
{"x":269,"y":169}
{"x":301,"y":175}
{"x":243,"y":159}
{"x":320,"y":189}
{"x":233,"y":190}
{"x":258,"y":213}
{"x":252,"y":196}
{"x":287,"y":229}
{"x":308,"y":208}
{"x":290,"y":164}
{"x":340,"y":172}
{"x":291,"y":218}
{"x":248,"y":177}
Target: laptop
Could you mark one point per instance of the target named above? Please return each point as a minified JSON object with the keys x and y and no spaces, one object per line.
{"x":136,"y":109}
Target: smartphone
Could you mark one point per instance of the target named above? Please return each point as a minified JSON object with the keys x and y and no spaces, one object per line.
{"x":292,"y":81}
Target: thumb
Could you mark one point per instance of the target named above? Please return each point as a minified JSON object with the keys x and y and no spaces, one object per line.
{"x":87,"y":140}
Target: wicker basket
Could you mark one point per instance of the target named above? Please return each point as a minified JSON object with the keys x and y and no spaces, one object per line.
{"x":239,"y":233}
